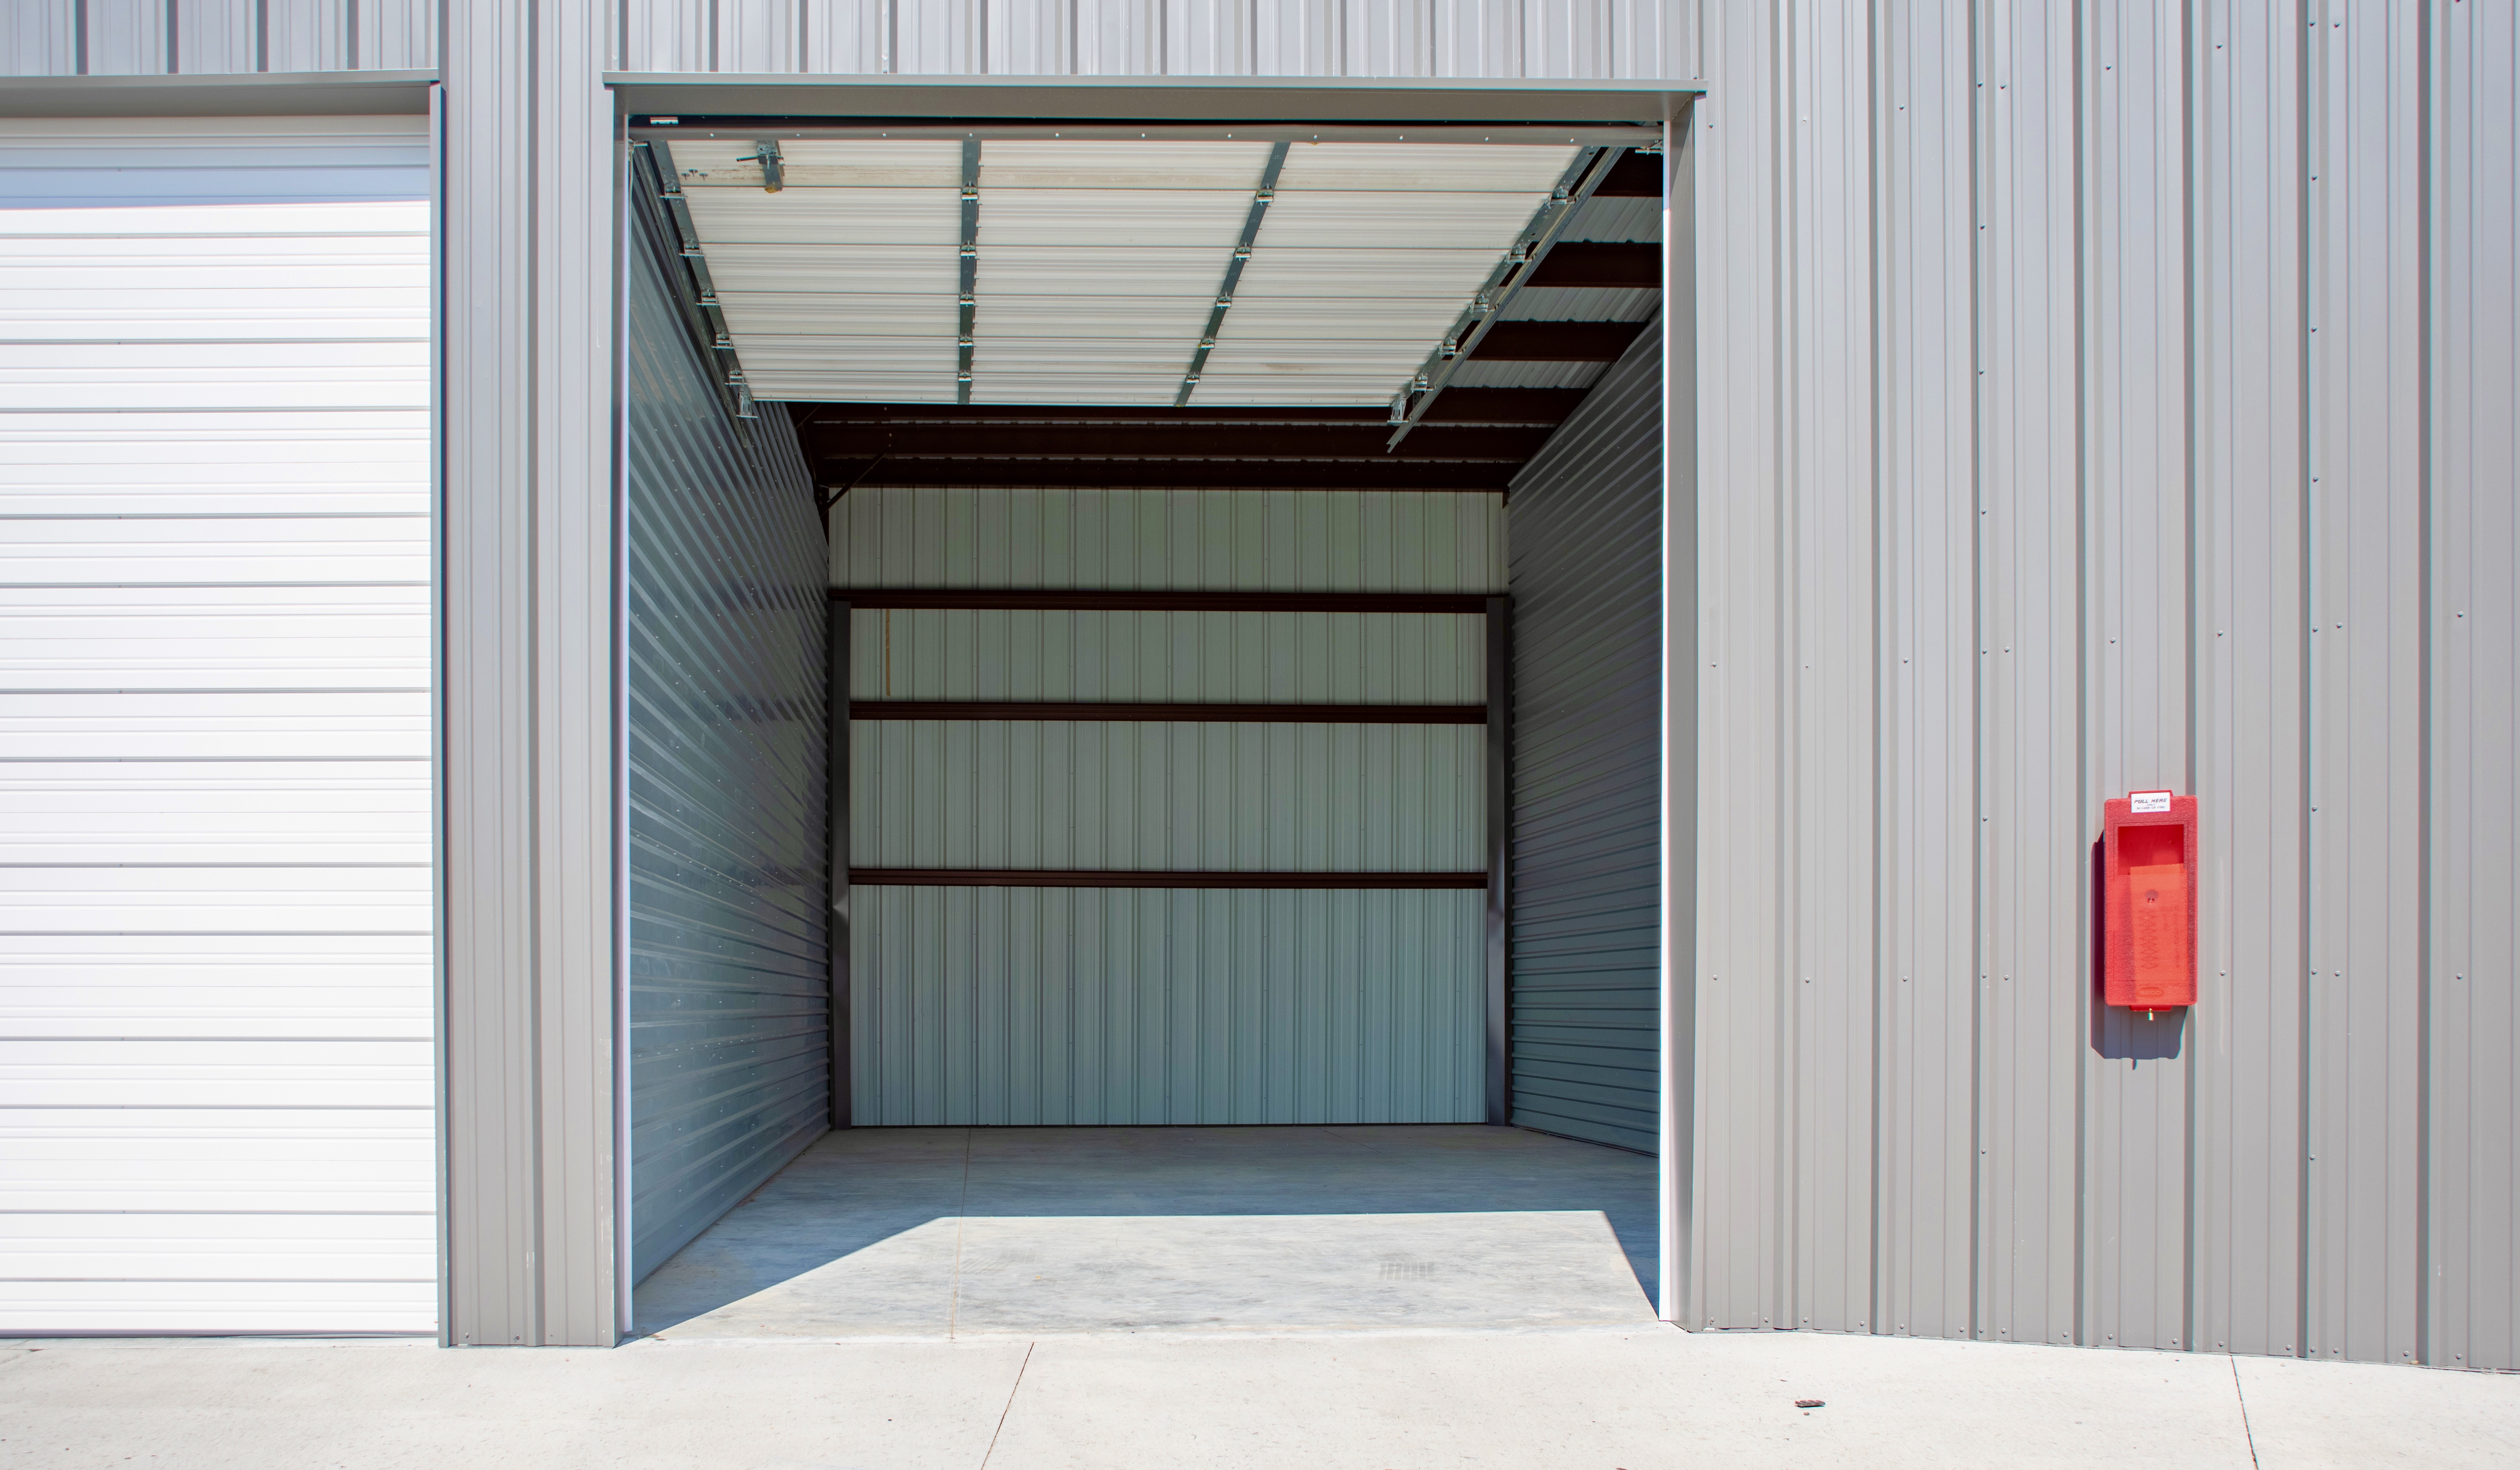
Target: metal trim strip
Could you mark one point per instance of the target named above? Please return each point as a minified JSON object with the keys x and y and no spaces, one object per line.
{"x":1085,"y":877}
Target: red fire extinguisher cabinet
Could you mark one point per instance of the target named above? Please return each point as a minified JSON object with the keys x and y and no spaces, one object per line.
{"x":2149,"y":873}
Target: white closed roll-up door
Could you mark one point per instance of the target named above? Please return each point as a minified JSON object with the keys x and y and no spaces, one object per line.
{"x":216,"y":1089}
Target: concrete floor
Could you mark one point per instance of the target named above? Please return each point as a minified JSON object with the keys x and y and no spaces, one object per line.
{"x":1654,"y":1398}
{"x":962,"y":1233}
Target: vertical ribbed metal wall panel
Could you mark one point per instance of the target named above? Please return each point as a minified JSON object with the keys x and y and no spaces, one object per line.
{"x":2094,"y":398}
{"x":2134,"y":568}
{"x":1190,"y":657}
{"x":2472,"y":621}
{"x":2210,"y":254}
{"x":1741,"y":1228}
{"x":2252,"y":719}
{"x":1240,"y":540}
{"x":729,"y":926}
{"x":2367,"y":765}
{"x":1842,"y":1061}
{"x":528,"y":596}
{"x":1055,"y":1005}
{"x":1091,"y":794}
{"x":216,"y":1029}
{"x":1500,"y":39}
{"x":1929,"y":672}
{"x":993,"y":1007}
{"x":2034,"y":863}
{"x":1586,"y":516}
{"x":211,"y":37}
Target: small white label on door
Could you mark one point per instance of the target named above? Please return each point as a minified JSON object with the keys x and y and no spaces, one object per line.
{"x":2148,"y":801}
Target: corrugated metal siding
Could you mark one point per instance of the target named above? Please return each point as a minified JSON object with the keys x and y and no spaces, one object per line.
{"x":2472,"y":673}
{"x":729,"y":923}
{"x":1586,"y":516}
{"x":1189,"y":657}
{"x":1055,"y":1005}
{"x":1616,"y":39}
{"x":1538,"y":38}
{"x":1240,"y":540}
{"x":2187,"y":233}
{"x":166,"y":37}
{"x":2092,"y":401}
{"x":971,"y":793}
{"x":215,"y":1011}
{"x":1061,"y":1006}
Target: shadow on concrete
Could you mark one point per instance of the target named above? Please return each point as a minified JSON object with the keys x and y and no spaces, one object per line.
{"x":911,"y":1230}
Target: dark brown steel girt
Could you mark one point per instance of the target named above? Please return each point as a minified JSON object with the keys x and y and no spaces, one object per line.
{"x":1593,"y":262}
{"x":1527,"y":406}
{"x":1060,"y":877}
{"x":1066,"y":599}
{"x":1214,"y":713}
{"x":1556,"y":341}
{"x":997,"y":439}
{"x":1549,"y":405}
{"x":1636,"y":176}
{"x":1392,"y":473}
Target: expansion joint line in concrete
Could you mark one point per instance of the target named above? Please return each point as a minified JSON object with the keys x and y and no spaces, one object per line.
{"x":1012,"y":1389}
{"x":2237,"y":1392}
{"x":961,"y":1216}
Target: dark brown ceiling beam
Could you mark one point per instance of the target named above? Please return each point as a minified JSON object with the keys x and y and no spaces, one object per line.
{"x":1094,"y":600}
{"x":1499,"y":406}
{"x":1191,"y":474}
{"x":809,"y":414}
{"x":1105,"y":878}
{"x":1230,"y":714}
{"x":1591,"y":262}
{"x":1556,"y":341}
{"x":1636,"y":176}
{"x":1158,"y":441}
{"x":1543,"y":406}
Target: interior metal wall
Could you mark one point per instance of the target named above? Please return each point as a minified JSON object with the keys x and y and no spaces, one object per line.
{"x":1083,"y":1006}
{"x":1586,"y":516}
{"x":729,"y":920}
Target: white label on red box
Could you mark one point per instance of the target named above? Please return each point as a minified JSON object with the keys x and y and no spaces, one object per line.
{"x":2148,"y":801}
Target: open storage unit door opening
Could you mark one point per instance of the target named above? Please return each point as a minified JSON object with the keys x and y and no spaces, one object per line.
{"x":1073,"y":596}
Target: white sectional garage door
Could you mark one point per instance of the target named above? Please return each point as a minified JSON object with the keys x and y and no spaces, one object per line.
{"x":215,"y":1018}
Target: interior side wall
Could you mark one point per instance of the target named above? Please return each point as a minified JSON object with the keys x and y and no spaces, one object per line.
{"x":1058,"y":1006}
{"x":1587,"y":582}
{"x":729,"y":926}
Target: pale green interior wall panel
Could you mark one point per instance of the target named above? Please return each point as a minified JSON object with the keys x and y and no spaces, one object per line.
{"x":1025,"y":1006}
{"x":1143,"y":539}
{"x":1063,"y":1005}
{"x":998,"y":793}
{"x":1169,"y":657}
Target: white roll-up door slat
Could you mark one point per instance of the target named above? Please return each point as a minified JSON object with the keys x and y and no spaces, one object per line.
{"x":215,"y":902}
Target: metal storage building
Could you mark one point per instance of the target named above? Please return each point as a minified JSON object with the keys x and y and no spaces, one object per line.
{"x":410,"y":659}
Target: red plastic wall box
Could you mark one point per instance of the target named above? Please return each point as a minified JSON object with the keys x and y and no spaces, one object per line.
{"x":2149,"y":873}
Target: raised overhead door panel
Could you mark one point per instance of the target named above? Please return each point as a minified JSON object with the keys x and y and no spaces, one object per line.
{"x":1587,"y":517}
{"x":730,"y":972}
{"x":215,"y":1015}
